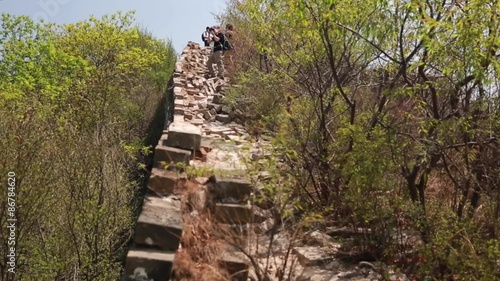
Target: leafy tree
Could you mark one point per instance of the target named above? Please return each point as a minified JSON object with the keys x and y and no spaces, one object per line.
{"x":76,"y":101}
{"x":394,"y":101}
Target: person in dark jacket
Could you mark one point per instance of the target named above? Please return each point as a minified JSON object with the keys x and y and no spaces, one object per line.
{"x":216,"y":55}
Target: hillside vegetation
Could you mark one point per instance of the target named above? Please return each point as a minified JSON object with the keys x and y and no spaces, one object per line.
{"x":385,"y":118}
{"x":76,"y":101}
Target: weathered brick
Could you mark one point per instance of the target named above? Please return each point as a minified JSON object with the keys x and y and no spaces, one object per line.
{"x":149,"y":265}
{"x":236,"y":264}
{"x":239,"y":214}
{"x":159,"y":224}
{"x":162,"y":182}
{"x":234,"y":188}
{"x":184,"y":135}
{"x":170,"y":155}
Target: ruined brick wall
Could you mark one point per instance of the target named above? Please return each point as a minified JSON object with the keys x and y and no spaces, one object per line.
{"x":194,"y":114}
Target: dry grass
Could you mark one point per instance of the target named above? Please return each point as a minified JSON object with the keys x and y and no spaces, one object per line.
{"x":197,"y":260}
{"x":206,"y":244}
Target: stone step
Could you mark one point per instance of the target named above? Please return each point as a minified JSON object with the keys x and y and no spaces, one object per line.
{"x":234,"y":188}
{"x":236,"y":264}
{"x":178,"y":118}
{"x":179,"y":102}
{"x":179,"y":110}
{"x":224,"y":118}
{"x":149,"y":265}
{"x":314,"y":256}
{"x":162,"y":182}
{"x":239,"y":214}
{"x":163,"y":138}
{"x":184,"y":135}
{"x":171,"y":155}
{"x":160,"y":224}
{"x":217,"y":107}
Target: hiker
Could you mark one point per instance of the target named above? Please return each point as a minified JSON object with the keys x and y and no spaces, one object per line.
{"x":217,"y":52}
{"x":229,"y":47}
{"x":229,"y":31}
{"x":205,"y":37}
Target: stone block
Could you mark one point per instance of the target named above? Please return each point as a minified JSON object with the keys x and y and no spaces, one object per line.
{"x":188,"y":116}
{"x":170,"y":155}
{"x":199,"y":97}
{"x":178,"y":82}
{"x":264,"y":227}
{"x":179,"y":103}
{"x":162,"y":182}
{"x":223,"y":118}
{"x":239,"y":214}
{"x":236,"y":264}
{"x":217,"y":98}
{"x":184,"y":135}
{"x":179,"y":110}
{"x":236,"y":139}
{"x":202,"y":104}
{"x":177,"y":118}
{"x":197,"y":122}
{"x":160,"y":224}
{"x":178,"y":67}
{"x":226,"y":109}
{"x":197,"y":200}
{"x":207,"y":115}
{"x":149,"y":265}
{"x":163,"y":137}
{"x":314,"y":256}
{"x":193,"y":91}
{"x":222,"y":187}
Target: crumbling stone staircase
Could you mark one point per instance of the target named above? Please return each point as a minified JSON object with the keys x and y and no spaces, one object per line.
{"x":196,"y":121}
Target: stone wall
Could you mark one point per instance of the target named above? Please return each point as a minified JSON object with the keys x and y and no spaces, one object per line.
{"x":195,"y":118}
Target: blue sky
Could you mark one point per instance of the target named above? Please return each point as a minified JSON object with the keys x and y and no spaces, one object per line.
{"x":181,"y":20}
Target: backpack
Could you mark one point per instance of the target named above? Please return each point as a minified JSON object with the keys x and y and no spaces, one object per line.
{"x":227,"y":45}
{"x":203,"y":36}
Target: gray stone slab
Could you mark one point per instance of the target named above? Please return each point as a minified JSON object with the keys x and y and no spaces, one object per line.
{"x":171,"y":155}
{"x":236,"y":264}
{"x":179,"y":110}
{"x":149,"y":265}
{"x":239,"y":214}
{"x":313,"y":256}
{"x":184,"y":135}
{"x":224,"y":118}
{"x":160,"y":224}
{"x":235,"y":188}
{"x":162,"y":182}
